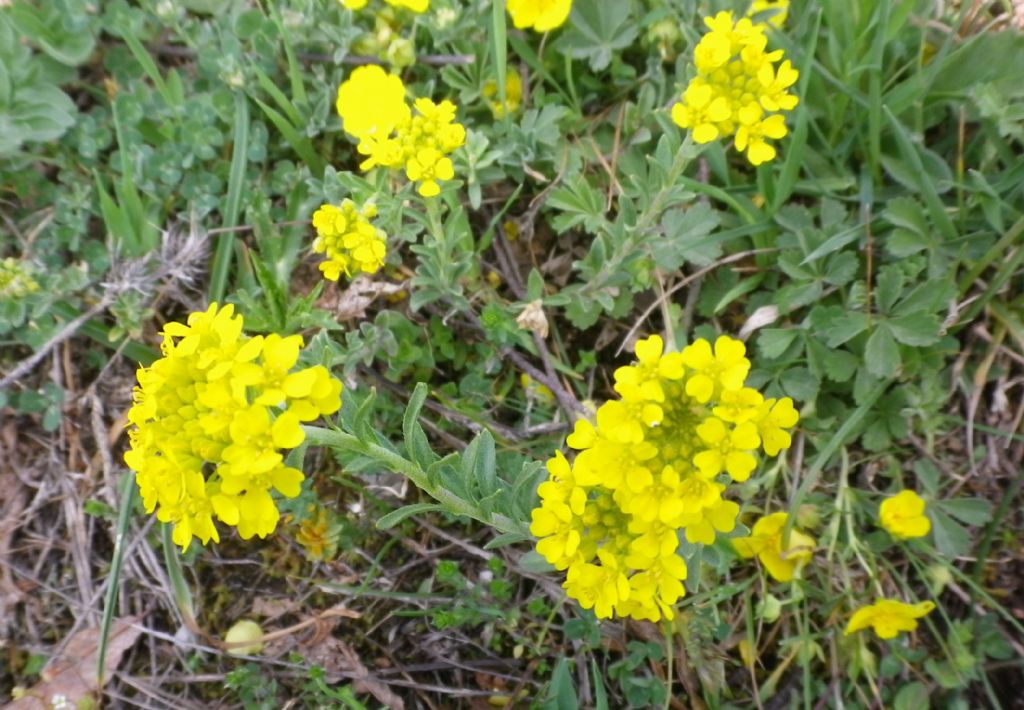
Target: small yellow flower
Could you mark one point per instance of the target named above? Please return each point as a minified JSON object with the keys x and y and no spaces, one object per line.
{"x":513,"y":94}
{"x":765,"y":542}
{"x":903,"y":515}
{"x":538,"y":15}
{"x":779,"y":8}
{"x":888,"y":617}
{"x":371,"y":103}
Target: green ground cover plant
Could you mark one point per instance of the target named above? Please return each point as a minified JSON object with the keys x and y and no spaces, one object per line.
{"x":525,"y":353}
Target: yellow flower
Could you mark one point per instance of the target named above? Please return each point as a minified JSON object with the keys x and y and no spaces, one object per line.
{"x":353,"y":4}
{"x":779,"y":8}
{"x":513,"y":94}
{"x":753,"y":131}
{"x":903,"y":515}
{"x":210,"y":420}
{"x":888,"y":617}
{"x":650,"y":470}
{"x":765,"y":542}
{"x":348,"y":240}
{"x":371,"y":102}
{"x":539,"y":15}
{"x":736,"y":82}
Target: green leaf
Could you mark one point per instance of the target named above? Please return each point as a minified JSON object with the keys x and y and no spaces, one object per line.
{"x":972,"y":511}
{"x":684,"y":230}
{"x":915,"y":329}
{"x":912,"y":696}
{"x":479,"y":465}
{"x":562,"y":693}
{"x":505,"y":539}
{"x":882,"y":355}
{"x":889,"y":287}
{"x":951,"y":538}
{"x":597,"y":29}
{"x":772,"y":342}
{"x":838,"y":325}
{"x":393,"y":518}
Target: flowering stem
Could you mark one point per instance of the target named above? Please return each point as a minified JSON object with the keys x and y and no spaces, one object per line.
{"x":341,"y":440}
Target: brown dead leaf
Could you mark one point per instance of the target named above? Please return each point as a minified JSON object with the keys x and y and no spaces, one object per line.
{"x":273,"y":608}
{"x":72,"y":676}
{"x":353,"y":301}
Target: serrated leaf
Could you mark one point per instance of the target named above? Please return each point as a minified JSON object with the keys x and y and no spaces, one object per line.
{"x":839,"y":326}
{"x":772,"y":342}
{"x":951,"y":538}
{"x":684,"y":229}
{"x":889,"y":287}
{"x":915,"y":329}
{"x":596,"y":30}
{"x":840,"y":365}
{"x":800,"y":384}
{"x":972,"y":511}
{"x":882,"y":355}
{"x":389,"y":520}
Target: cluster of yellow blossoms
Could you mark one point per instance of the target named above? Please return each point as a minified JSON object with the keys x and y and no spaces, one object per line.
{"x":539,"y":15}
{"x":374,"y":111}
{"x":348,"y":240}
{"x":16,"y":279}
{"x":211,"y":418}
{"x":654,"y":466}
{"x":738,"y":89}
{"x":414,"y":5}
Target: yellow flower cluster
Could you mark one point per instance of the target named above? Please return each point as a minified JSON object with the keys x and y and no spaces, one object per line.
{"x":414,"y":5}
{"x":903,"y":516}
{"x":538,"y":15}
{"x":16,"y":279}
{"x":738,"y":89}
{"x":348,"y":240}
{"x":888,"y":617}
{"x":210,"y":419}
{"x":651,"y":468}
{"x":765,"y":542}
{"x":373,"y":110}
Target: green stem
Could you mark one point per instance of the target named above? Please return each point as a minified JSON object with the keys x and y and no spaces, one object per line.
{"x":172,"y":560}
{"x":669,"y":653}
{"x":316,"y":436}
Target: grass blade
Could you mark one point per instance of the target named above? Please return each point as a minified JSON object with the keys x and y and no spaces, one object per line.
{"x":232,"y":203}
{"x":127,"y":498}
